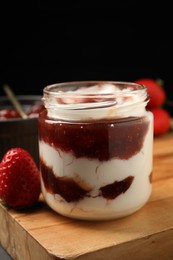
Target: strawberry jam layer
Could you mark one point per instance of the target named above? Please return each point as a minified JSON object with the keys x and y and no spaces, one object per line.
{"x":72,"y":191}
{"x":102,"y":140}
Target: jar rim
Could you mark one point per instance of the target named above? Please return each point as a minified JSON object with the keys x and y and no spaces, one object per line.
{"x":104,"y":98}
{"x":93,"y":94}
{"x":62,"y":88}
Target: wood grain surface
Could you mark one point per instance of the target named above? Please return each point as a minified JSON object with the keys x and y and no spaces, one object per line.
{"x":41,"y":234}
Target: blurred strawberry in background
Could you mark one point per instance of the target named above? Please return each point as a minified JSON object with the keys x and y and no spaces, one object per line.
{"x":161,"y":121}
{"x":157,"y":94}
{"x":155,"y":90}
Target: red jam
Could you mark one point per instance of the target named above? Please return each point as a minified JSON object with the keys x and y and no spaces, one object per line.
{"x":102,"y":140}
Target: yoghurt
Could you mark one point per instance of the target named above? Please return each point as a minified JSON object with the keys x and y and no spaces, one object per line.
{"x":95,"y":143}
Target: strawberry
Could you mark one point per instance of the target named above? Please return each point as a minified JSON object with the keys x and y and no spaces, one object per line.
{"x":162,"y":121}
{"x":8,"y":114}
{"x":155,"y":90}
{"x":19,"y":179}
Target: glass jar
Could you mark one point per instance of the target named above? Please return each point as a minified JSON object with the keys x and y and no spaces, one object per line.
{"x":96,"y":149}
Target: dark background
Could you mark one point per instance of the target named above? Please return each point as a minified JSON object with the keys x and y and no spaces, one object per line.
{"x":47,"y":43}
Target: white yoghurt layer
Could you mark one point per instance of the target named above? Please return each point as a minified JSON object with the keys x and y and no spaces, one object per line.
{"x":95,"y":174}
{"x":97,"y":102}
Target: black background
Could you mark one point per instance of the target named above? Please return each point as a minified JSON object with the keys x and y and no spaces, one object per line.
{"x":47,"y":43}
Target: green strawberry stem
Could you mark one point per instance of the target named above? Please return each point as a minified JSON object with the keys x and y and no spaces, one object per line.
{"x":160,"y":82}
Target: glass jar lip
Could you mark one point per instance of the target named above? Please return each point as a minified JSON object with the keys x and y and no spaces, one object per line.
{"x":82,"y":95}
{"x":74,"y":100}
{"x":65,"y":88}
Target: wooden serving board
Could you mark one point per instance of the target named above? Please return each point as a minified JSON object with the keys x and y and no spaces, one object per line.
{"x":42,"y":234}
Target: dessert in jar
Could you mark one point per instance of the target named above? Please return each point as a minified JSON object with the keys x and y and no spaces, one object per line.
{"x":95,"y":146}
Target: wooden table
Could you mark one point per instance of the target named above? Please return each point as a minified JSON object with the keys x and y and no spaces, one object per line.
{"x":41,"y":234}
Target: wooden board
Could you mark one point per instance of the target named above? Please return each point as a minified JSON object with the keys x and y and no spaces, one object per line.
{"x":42,"y":234}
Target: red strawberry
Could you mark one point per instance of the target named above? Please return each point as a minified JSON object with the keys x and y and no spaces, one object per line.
{"x":162,"y":121}
{"x":8,"y":113}
{"x":19,"y":179}
{"x":155,"y":90}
